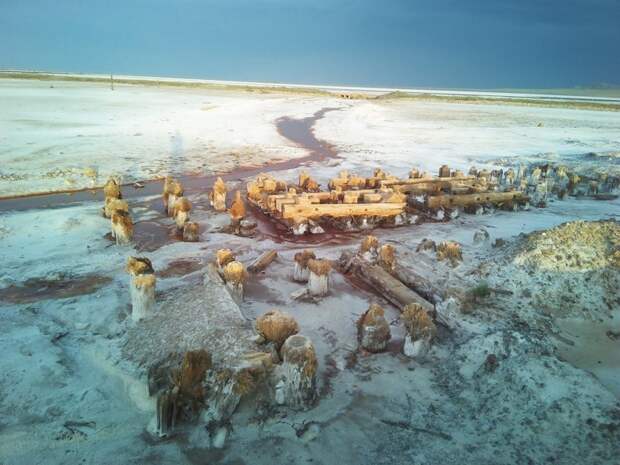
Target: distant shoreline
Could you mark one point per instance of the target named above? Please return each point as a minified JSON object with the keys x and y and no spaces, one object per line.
{"x":553,"y":99}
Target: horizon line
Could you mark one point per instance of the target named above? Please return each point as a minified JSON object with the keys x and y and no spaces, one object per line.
{"x":490,"y":93}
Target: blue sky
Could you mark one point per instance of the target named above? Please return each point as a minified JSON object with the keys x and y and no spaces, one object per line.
{"x":427,"y":43}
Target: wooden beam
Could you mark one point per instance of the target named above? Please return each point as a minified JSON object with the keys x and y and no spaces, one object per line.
{"x":262,"y":261}
{"x":464,"y":200}
{"x":342,"y":209}
{"x":410,"y":182}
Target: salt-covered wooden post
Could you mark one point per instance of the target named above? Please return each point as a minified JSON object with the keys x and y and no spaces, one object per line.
{"x":301,"y":272}
{"x":113,"y":204}
{"x":420,"y":330}
{"x":369,"y":248}
{"x":112,"y":189}
{"x":318,"y":279}
{"x":166,"y":191}
{"x":373,"y":329}
{"x":307,"y":184}
{"x":175,"y":192}
{"x":191,"y":232}
{"x":218,"y":195}
{"x":450,"y":250}
{"x":275,"y":326}
{"x":142,"y":287}
{"x":112,"y":195}
{"x":181,"y":209}
{"x":414,"y":173}
{"x":122,"y":227}
{"x":237,"y":213}
{"x":426,"y":244}
{"x":444,"y":171}
{"x":262,"y":261}
{"x":387,"y":257}
{"x":297,"y":384}
{"x":142,"y":296}
{"x":235,"y":276}
{"x":222,"y":258}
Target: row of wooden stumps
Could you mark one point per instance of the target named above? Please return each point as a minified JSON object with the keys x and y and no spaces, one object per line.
{"x":239,"y":224}
{"x":177,"y":206}
{"x":308,"y":269}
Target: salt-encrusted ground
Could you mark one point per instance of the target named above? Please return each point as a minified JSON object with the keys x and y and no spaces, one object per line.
{"x":67,"y":394}
{"x":59,"y":135}
{"x":64,"y":135}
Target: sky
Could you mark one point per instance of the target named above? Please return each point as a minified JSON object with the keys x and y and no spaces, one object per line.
{"x":482,"y":44}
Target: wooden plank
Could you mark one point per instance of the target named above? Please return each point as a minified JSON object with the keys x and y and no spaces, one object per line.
{"x":272,"y":199}
{"x":341,"y":209}
{"x":285,"y":201}
{"x":464,"y":200}
{"x":372,"y":198}
{"x":262,"y":261}
{"x":410,"y":182}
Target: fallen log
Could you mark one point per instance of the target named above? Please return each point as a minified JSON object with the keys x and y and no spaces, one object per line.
{"x":393,"y":289}
{"x":262,"y":261}
{"x":388,"y":286}
{"x":417,"y":282}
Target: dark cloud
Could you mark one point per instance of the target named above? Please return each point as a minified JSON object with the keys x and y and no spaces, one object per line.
{"x":441,"y":43}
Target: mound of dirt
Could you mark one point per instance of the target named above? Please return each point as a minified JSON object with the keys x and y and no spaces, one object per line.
{"x":575,"y":246}
{"x":572,"y":270}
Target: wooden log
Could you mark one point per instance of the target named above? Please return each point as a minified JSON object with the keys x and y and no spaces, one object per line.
{"x":417,"y":282}
{"x":431,"y":186}
{"x":262,"y":261}
{"x":465,"y":200}
{"x":388,"y":286}
{"x":414,"y":181}
{"x":342,"y":210}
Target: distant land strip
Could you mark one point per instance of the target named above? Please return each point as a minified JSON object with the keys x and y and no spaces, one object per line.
{"x":332,"y":91}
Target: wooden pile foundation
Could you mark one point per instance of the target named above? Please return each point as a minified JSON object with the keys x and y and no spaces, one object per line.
{"x":355,"y":203}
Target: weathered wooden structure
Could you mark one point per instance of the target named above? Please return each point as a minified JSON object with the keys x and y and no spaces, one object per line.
{"x":355,"y":202}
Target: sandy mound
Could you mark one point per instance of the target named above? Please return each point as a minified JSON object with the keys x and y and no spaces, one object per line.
{"x":572,"y":270}
{"x":576,"y":246}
